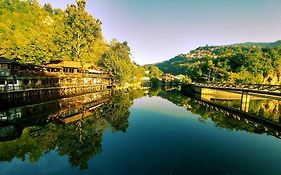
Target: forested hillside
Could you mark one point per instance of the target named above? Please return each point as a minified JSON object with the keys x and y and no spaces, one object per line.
{"x":228,"y":64}
{"x":31,"y":33}
{"x":273,"y":44}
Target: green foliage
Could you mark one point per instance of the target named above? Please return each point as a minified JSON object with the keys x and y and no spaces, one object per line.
{"x":232,"y":64}
{"x":248,"y":44}
{"x":48,"y":8}
{"x":117,"y":61}
{"x":155,"y":81}
{"x":79,"y":141}
{"x":153,"y":71}
{"x":30,"y":33}
{"x":25,"y":31}
{"x":185,"y":79}
{"x":220,"y":120}
{"x":78,"y":34}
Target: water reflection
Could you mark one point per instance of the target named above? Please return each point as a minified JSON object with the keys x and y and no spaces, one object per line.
{"x":74,"y":127}
{"x":65,"y":110}
{"x":261,"y":107}
{"x":41,"y":129}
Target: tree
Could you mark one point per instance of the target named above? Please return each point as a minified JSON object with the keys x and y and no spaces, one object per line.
{"x":48,"y":8}
{"x":117,"y":61}
{"x":30,"y":41}
{"x":154,"y":72}
{"x":80,"y":35}
{"x":228,"y":64}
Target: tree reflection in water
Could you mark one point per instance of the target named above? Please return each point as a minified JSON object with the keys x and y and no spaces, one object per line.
{"x":231,"y":122}
{"x":80,"y":140}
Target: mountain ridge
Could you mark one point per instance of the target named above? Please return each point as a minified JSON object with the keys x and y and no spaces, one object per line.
{"x":244,"y":44}
{"x":243,"y":62}
{"x":258,"y":44}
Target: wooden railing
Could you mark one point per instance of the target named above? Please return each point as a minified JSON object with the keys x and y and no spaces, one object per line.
{"x":4,"y":89}
{"x":76,"y":75}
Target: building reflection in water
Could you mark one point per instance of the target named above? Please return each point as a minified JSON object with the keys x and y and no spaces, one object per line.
{"x":74,"y":127}
{"x":71,"y":126}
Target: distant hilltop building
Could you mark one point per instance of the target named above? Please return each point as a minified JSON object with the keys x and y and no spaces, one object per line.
{"x":203,"y":52}
{"x":170,"y":78}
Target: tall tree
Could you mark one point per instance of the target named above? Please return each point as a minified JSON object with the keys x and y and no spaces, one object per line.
{"x":80,"y":35}
{"x":117,"y":61}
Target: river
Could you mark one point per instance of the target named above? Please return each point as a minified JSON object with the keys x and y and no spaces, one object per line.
{"x":137,"y":132}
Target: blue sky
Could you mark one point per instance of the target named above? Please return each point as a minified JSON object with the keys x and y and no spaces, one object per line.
{"x":157,"y":30}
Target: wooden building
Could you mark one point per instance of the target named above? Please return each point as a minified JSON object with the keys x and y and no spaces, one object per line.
{"x":6,"y":73}
{"x":15,"y":76}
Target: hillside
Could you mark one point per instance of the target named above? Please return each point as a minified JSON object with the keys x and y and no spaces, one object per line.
{"x":35,"y":34}
{"x":236,"y":63}
{"x":248,"y":44}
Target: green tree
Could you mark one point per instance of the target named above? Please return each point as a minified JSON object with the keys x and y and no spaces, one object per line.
{"x":117,"y":61}
{"x":80,"y":34}
{"x":48,"y":8}
{"x":154,"y":72}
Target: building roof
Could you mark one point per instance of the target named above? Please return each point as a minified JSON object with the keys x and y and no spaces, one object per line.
{"x":6,"y":60}
{"x":94,"y":71}
{"x":60,"y":63}
{"x":93,"y":67}
{"x":75,"y":64}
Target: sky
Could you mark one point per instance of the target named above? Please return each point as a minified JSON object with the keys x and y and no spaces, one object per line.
{"x":158,"y":30}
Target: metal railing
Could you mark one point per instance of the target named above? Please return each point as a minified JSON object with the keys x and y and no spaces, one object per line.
{"x":240,"y":86}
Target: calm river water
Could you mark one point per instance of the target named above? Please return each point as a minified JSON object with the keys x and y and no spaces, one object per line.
{"x":135,"y":132}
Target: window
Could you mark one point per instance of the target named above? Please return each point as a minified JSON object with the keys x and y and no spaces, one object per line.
{"x":2,"y":82}
{"x":10,"y":81}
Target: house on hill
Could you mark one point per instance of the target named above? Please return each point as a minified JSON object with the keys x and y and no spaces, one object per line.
{"x":170,"y":78}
